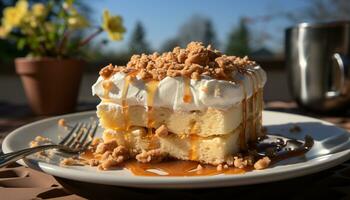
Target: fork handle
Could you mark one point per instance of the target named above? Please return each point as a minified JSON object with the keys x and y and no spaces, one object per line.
{"x":8,"y":158}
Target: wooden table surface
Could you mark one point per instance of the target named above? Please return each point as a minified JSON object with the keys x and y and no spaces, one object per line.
{"x":17,"y":182}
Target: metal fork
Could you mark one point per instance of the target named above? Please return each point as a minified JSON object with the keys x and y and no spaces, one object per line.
{"x":76,"y":140}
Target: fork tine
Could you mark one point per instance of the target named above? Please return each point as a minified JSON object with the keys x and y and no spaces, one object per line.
{"x":74,"y":135}
{"x":73,"y":141}
{"x":94,"y":130}
{"x":69,"y":134}
{"x":80,"y":137}
{"x":91,"y":134}
{"x":85,"y":137}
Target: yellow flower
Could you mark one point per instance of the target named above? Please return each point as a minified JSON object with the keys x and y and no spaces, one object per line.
{"x":35,"y":17}
{"x":77,"y":21}
{"x":22,"y":6}
{"x":67,"y":4}
{"x":32,"y":21}
{"x":113,"y":25}
{"x":13,"y":16}
{"x":4,"y":31}
{"x":39,"y":10}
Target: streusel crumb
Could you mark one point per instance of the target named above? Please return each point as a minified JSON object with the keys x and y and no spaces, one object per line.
{"x":121,"y":151}
{"x":62,"y":122}
{"x":162,"y":131}
{"x":107,"y":71}
{"x":109,"y":163}
{"x":154,"y":155}
{"x":240,"y":163}
{"x":106,"y":146}
{"x":95,"y":142}
{"x":262,"y":163}
{"x":193,"y":62}
{"x":219,"y":167}
{"x":69,"y":162}
{"x":106,"y":155}
{"x":94,"y":162}
{"x":39,"y":140}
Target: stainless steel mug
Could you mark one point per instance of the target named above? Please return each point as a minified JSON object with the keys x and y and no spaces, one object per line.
{"x":317,"y":59}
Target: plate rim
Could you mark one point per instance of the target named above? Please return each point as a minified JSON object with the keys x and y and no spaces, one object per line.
{"x":317,"y":164}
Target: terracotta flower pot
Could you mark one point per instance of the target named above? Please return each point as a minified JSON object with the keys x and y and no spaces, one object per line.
{"x":51,"y":85}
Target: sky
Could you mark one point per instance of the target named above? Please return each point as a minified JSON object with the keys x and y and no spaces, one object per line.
{"x":162,"y":18}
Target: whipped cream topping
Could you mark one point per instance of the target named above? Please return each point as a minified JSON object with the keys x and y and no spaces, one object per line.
{"x":170,"y":92}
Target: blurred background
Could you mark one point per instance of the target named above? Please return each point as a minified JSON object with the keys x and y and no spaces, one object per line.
{"x":255,"y":28}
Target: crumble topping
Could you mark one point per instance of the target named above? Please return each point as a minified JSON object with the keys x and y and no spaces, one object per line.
{"x":106,"y":155}
{"x":249,"y":160}
{"x":110,"y":163}
{"x":106,"y":146}
{"x":95,"y":142}
{"x":219,"y":167}
{"x":112,"y":154}
{"x":193,"y":62}
{"x":94,"y":162}
{"x":62,"y":122}
{"x":262,"y":163}
{"x":162,"y":131}
{"x":154,"y":155}
{"x":121,"y":151}
{"x":69,"y":161}
{"x":107,"y":71}
{"x":39,"y":140}
{"x":240,"y":162}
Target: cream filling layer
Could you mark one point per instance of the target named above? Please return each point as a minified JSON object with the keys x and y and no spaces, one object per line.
{"x":170,"y":92}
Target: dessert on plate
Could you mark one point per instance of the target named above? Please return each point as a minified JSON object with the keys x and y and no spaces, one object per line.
{"x":192,"y":104}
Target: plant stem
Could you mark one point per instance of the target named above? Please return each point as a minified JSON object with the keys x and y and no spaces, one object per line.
{"x":63,"y":42}
{"x":89,"y":38}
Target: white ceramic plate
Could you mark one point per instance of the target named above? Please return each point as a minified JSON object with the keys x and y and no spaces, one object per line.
{"x":332,"y":147}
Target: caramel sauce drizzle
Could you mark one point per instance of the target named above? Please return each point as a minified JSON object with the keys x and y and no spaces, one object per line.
{"x":242,"y":136}
{"x":125,"y":107}
{"x":151,"y":88}
{"x":169,"y":168}
{"x":259,"y":97}
{"x":178,"y":168}
{"x":107,"y":86}
{"x":187,"y":98}
{"x":193,"y":154}
{"x":260,"y":104}
{"x":252,"y":105}
{"x":193,"y":138}
{"x":89,"y":154}
{"x":153,"y":140}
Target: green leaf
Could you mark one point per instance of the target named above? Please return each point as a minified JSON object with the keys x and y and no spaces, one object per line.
{"x":21,"y":43}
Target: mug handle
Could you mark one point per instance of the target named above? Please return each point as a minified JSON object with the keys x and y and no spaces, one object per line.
{"x":341,"y":64}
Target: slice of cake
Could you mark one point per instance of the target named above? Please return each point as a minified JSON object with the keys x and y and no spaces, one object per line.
{"x":191,"y":104}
